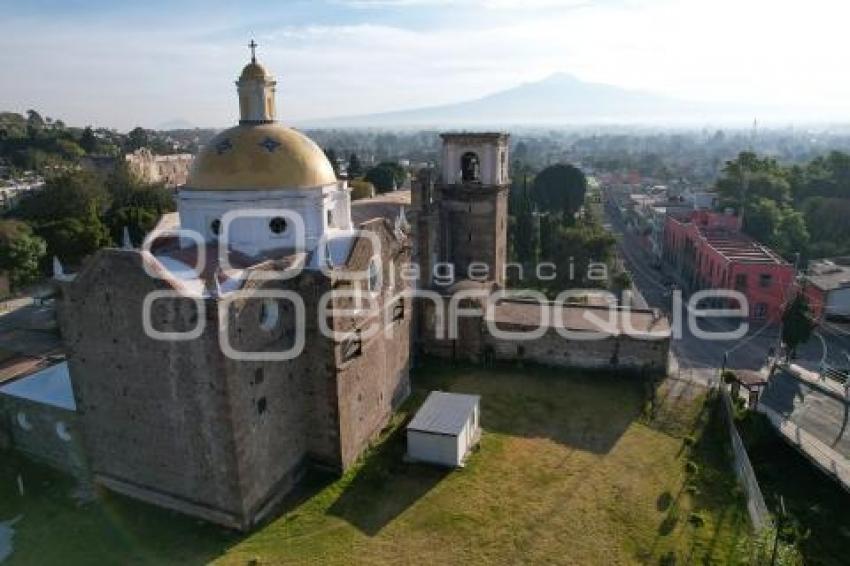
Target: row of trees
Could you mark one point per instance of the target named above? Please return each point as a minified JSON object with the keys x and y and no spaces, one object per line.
{"x":550,"y":224}
{"x":74,"y":215}
{"x":41,"y":144}
{"x":383,"y":177}
{"x":797,"y":209}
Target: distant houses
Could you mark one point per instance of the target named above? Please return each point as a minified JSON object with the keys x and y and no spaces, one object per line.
{"x":827,"y":288}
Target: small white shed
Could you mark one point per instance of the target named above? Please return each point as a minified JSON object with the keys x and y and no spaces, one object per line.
{"x":444,"y":429}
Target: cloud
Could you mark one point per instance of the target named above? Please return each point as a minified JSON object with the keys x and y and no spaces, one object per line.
{"x":351,"y":57}
{"x":489,"y":4}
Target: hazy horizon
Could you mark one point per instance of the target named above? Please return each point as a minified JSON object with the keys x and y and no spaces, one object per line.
{"x":121,"y":65}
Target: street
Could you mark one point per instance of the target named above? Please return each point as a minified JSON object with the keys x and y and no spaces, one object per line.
{"x":698,"y":358}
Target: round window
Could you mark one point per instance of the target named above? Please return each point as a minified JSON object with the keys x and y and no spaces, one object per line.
{"x":62,"y":431}
{"x":269,"y":314}
{"x":277,"y":225}
{"x":23,"y":421}
{"x":215,"y":227}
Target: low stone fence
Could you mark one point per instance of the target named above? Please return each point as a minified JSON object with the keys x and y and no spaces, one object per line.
{"x":759,"y":514}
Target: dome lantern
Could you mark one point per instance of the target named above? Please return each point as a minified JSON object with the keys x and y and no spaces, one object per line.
{"x":256,"y":88}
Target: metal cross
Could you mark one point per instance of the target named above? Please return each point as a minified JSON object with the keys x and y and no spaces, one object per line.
{"x":253,"y":46}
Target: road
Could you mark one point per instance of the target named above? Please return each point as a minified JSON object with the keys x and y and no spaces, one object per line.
{"x":822,"y":415}
{"x":694,"y":357}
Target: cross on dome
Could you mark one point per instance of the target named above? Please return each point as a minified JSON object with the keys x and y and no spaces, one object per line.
{"x":253,"y":45}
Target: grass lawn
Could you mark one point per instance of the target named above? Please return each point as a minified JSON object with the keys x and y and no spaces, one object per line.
{"x":818,"y":507}
{"x":571,"y":469}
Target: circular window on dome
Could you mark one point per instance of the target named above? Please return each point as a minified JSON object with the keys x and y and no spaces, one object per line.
{"x":269,"y":314}
{"x":277,"y":225}
{"x":215,"y":227}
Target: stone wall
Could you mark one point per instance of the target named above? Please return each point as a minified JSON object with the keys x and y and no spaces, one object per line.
{"x":154,"y":414}
{"x":172,"y":170}
{"x":611,"y":353}
{"x":373,"y":383}
{"x":43,"y":432}
{"x":475,"y":344}
{"x":182,"y":425}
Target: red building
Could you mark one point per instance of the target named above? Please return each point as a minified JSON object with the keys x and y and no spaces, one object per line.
{"x":708,"y":251}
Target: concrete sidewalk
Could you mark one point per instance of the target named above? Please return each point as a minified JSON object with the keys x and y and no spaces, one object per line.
{"x":815,"y":379}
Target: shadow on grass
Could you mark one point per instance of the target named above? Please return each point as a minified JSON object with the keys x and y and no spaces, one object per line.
{"x":818,"y":508}
{"x":584,"y":410}
{"x":385,"y":486}
{"x":57,"y":529}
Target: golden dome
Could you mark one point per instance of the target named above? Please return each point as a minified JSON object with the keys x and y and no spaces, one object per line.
{"x":260,"y":157}
{"x":254,"y":71}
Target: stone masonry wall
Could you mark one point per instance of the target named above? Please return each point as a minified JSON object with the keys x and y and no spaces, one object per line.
{"x":154,"y":414}
{"x":372,"y":384}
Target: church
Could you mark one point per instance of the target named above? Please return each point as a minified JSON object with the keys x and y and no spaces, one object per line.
{"x":190,"y":400}
{"x":260,"y":331}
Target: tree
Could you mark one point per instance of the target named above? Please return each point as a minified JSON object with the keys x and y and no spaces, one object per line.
{"x":88,"y":141}
{"x":524,"y":233}
{"x":792,"y":236}
{"x":560,"y":188}
{"x":749,"y":177}
{"x":386,"y":176}
{"x":138,"y":221}
{"x":137,"y":138}
{"x":355,"y":168}
{"x":72,"y":194}
{"x":797,"y":324}
{"x":361,"y":189}
{"x":21,"y":252}
{"x":35,"y":123}
{"x":761,"y":219}
{"x":331,"y":155}
{"x":826,"y":221}
{"x":72,"y":239}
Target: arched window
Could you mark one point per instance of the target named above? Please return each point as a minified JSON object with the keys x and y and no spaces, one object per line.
{"x":470,"y":168}
{"x":374,"y":281}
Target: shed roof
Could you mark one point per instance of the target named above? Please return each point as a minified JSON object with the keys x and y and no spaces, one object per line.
{"x":444,"y":413}
{"x":50,"y":386}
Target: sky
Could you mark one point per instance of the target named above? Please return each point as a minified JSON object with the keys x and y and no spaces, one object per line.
{"x":121,"y":64}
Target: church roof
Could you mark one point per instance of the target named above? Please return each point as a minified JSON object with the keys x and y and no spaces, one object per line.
{"x":260,"y":157}
{"x":254,"y":71}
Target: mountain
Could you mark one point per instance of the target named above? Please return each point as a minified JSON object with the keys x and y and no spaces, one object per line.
{"x":559,"y":99}
{"x":175,"y":124}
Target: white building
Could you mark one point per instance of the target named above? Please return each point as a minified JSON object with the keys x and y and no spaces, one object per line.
{"x":11,"y":193}
{"x":445,"y":429}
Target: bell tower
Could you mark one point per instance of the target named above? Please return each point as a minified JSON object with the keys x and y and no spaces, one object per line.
{"x":469,"y":205}
{"x":256,"y":88}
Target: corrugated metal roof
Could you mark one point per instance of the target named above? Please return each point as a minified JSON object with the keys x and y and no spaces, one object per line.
{"x":444,"y":413}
